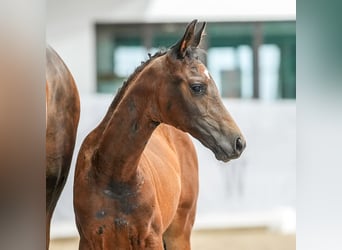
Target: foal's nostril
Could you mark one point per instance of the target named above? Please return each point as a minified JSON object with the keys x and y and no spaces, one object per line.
{"x":239,"y":145}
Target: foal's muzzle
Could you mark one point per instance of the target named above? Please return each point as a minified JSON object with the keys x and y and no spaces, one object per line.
{"x":239,"y":146}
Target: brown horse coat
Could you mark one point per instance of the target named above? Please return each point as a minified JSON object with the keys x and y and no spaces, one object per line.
{"x":62,"y":116}
{"x":136,"y":178}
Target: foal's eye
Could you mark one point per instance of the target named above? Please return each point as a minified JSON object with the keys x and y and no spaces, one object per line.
{"x":198,"y":88}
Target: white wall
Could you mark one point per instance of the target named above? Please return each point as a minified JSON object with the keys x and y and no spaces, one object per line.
{"x":70,"y":30}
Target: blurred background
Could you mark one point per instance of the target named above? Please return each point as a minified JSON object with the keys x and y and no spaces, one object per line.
{"x":249,"y":203}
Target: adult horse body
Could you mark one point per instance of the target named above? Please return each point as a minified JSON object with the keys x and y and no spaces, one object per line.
{"x":62,"y":116}
{"x":136,"y":179}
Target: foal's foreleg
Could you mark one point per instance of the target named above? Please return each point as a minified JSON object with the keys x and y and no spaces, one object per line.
{"x":177,"y":236}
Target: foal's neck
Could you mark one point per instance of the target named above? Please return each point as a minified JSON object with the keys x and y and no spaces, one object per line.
{"x":128,"y":130}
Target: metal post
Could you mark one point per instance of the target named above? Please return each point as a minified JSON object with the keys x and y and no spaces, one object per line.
{"x":257,"y":42}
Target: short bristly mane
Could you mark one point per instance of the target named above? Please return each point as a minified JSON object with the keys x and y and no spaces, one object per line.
{"x":126,"y":83}
{"x":130,"y":79}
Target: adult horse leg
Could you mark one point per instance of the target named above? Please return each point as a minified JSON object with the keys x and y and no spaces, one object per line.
{"x":56,"y":174}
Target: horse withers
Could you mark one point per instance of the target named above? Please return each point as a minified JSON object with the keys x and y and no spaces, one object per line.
{"x":62,"y":116}
{"x":136,"y":178}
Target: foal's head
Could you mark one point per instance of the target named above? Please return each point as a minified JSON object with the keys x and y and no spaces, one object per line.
{"x":189,"y":100}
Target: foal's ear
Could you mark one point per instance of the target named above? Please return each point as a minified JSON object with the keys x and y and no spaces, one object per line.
{"x":198,"y":36}
{"x":179,"y":49}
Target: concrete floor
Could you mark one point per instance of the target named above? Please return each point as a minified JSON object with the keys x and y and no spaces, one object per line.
{"x":243,"y":239}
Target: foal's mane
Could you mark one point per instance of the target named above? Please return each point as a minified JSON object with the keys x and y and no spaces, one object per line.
{"x":130,"y":79}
